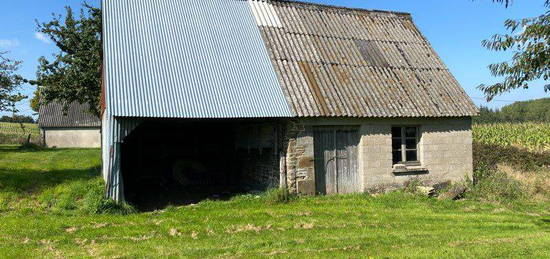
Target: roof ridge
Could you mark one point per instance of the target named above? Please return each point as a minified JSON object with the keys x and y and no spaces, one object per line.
{"x":408,"y":15}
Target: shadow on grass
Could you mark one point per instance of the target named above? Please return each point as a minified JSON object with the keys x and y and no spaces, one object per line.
{"x":20,"y":149}
{"x":35,"y":181}
{"x":486,"y":155}
{"x":155,"y":197}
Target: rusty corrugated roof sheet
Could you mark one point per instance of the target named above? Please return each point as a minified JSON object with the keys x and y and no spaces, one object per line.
{"x":52,"y":116}
{"x":334,"y":61}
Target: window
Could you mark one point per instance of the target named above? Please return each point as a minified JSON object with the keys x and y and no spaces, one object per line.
{"x":404,"y":145}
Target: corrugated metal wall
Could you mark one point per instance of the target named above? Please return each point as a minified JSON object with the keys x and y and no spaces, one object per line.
{"x":114,"y":130}
{"x":187,"y":59}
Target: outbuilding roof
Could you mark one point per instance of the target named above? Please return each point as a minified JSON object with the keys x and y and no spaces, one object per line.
{"x":51,"y":115}
{"x":334,"y":61}
{"x":263,"y":58}
{"x":187,"y":59}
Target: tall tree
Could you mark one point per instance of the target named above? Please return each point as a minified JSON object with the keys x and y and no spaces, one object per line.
{"x":9,"y":82}
{"x":35,"y":101}
{"x":74,"y":74}
{"x":529,"y":39}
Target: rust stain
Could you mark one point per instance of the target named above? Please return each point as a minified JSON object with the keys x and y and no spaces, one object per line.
{"x":342,"y":75}
{"x":305,"y":162}
{"x":345,"y":80}
{"x":102,"y":102}
{"x":312,"y":83}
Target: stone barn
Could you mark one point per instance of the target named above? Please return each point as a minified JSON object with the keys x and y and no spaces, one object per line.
{"x":206,"y":97}
{"x":73,"y":128}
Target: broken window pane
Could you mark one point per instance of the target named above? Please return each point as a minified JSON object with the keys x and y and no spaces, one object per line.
{"x":396,"y":156}
{"x":396,"y":143}
{"x":411,"y":143}
{"x":396,"y":132}
{"x":411,"y":156}
{"x":410,"y":132}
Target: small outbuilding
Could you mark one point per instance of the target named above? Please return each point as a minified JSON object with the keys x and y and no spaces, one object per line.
{"x":206,"y":97}
{"x":74,"y":128}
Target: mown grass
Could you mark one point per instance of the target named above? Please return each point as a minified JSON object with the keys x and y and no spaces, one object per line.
{"x":52,"y":207}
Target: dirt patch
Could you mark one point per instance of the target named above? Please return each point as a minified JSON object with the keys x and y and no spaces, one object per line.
{"x":248,"y":228}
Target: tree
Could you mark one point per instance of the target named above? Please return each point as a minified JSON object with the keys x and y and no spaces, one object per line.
{"x":35,"y":101}
{"x":9,"y":82}
{"x":17,"y":119}
{"x":530,"y":40}
{"x":74,"y":75}
{"x":526,"y":111}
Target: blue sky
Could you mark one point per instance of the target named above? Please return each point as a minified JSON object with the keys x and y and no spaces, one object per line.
{"x":455,"y":29}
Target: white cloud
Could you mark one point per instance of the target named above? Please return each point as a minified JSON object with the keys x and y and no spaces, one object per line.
{"x":5,"y":43}
{"x":42,"y":37}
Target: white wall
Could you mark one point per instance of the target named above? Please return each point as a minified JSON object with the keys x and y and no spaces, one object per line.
{"x":72,"y":137}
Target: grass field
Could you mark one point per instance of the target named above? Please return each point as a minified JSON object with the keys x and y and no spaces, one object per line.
{"x":51,"y":206}
{"x":15,"y":133}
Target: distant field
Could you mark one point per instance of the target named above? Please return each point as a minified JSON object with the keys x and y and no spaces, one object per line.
{"x":13,"y":133}
{"x":532,"y":136}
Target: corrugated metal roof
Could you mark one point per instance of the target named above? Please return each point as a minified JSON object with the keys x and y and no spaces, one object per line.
{"x":52,"y":116}
{"x":334,"y":61}
{"x":187,"y":59}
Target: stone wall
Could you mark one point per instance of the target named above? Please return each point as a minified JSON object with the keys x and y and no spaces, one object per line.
{"x":300,"y":174}
{"x":258,"y":146}
{"x":72,"y":137}
{"x":445,"y":151}
{"x":260,"y":169}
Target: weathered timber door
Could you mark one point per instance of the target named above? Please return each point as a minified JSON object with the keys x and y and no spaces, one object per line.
{"x":336,"y":160}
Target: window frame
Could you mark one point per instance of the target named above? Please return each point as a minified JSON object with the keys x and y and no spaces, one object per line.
{"x":403,"y":148}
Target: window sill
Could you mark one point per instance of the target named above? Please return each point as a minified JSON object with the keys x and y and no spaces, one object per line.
{"x":401,"y":169}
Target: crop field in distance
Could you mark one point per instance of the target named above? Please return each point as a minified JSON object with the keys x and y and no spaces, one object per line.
{"x":17,"y":133}
{"x":532,"y":136}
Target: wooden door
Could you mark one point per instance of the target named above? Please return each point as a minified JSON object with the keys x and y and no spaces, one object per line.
{"x":336,"y":160}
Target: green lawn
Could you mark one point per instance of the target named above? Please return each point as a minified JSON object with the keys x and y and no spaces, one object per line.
{"x":47,"y":198}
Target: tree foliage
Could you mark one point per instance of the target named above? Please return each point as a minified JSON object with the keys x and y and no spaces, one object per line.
{"x":75,"y":72}
{"x":35,"y":101}
{"x":528,"y":111}
{"x":17,"y":119}
{"x":529,"y":39}
{"x":9,"y":82}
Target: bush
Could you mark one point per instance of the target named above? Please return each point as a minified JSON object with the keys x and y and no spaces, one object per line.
{"x":496,"y":186}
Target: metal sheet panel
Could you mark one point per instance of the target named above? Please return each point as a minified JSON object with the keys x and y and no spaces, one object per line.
{"x":187,"y":59}
{"x":335,"y":61}
{"x":114,"y":130}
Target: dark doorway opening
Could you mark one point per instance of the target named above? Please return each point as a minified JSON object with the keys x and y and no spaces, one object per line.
{"x":179,"y":162}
